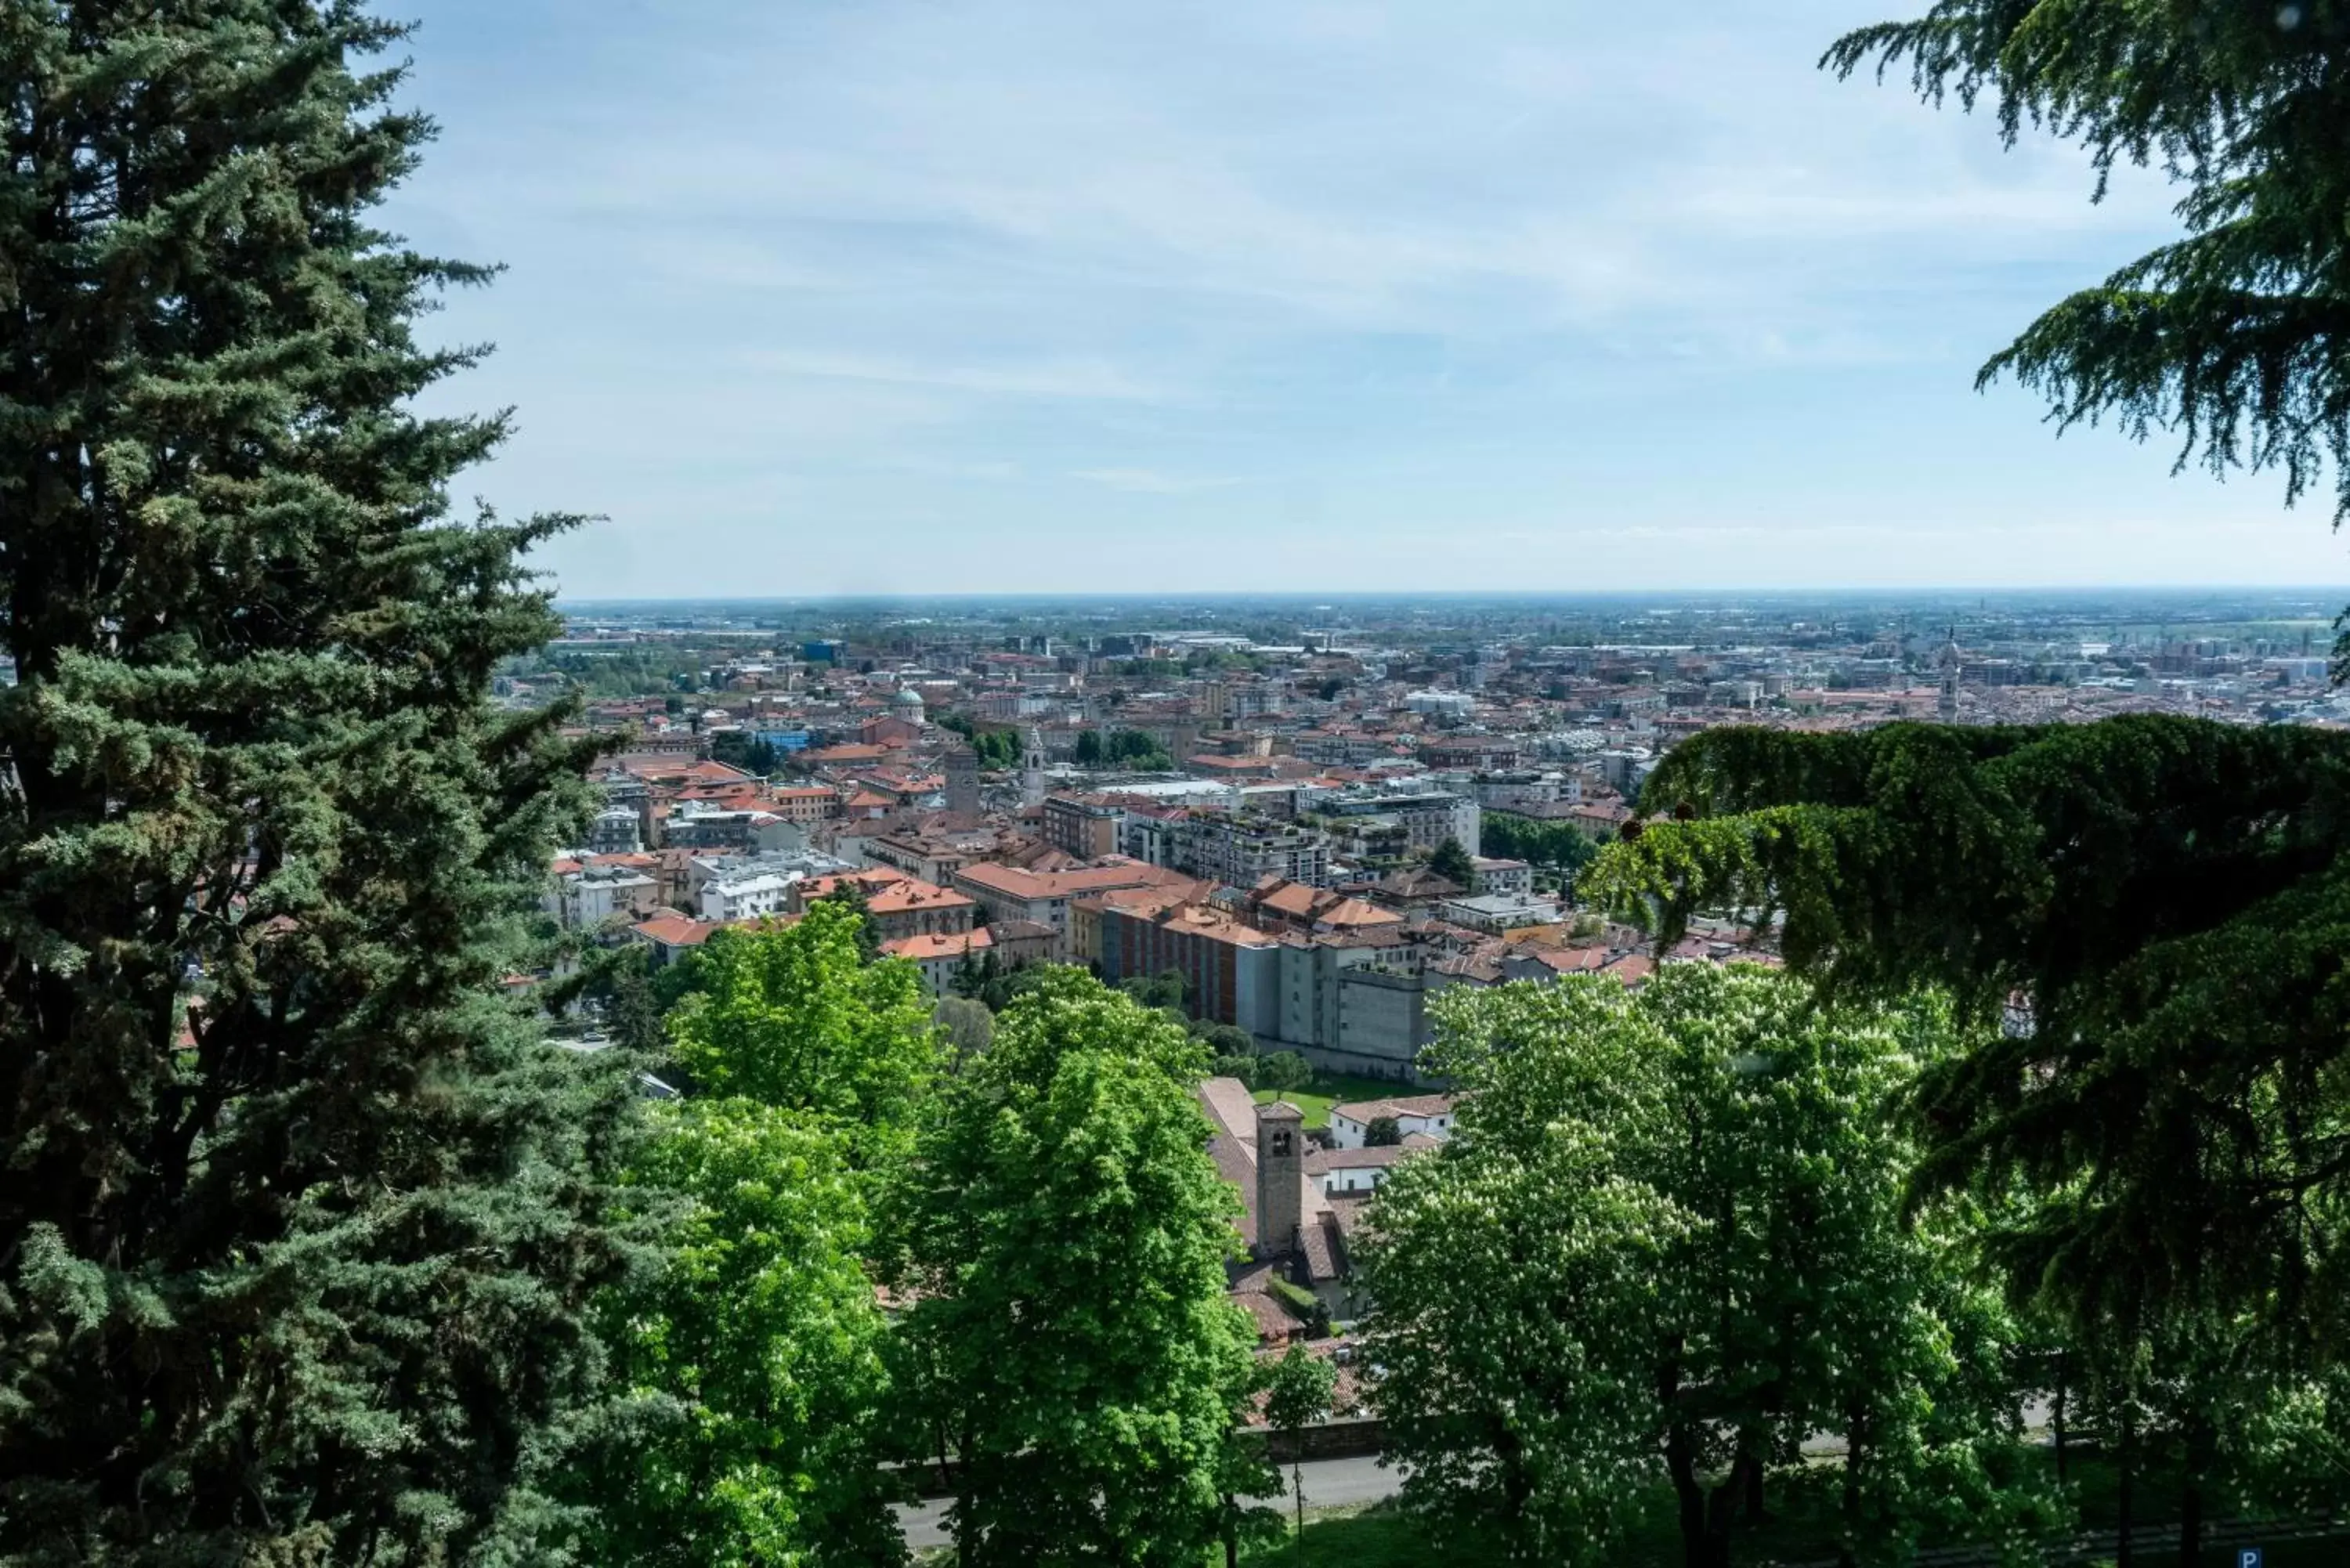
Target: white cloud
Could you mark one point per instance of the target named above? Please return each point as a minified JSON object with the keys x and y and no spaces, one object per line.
{"x":1073,"y":378}
{"x":1151,"y":481}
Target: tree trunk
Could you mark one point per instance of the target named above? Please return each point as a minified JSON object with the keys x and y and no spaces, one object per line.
{"x":1753,"y":1500}
{"x":1680,"y":1459}
{"x":2059,"y":1421}
{"x":1721,"y":1507}
{"x":2124,"y":1549}
{"x":1231,"y":1533}
{"x":2199,"y":1443}
{"x":1856,"y":1433}
{"x":952,"y":1477}
{"x":1297,"y":1494}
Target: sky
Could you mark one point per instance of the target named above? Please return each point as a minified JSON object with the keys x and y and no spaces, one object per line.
{"x":859,"y":297}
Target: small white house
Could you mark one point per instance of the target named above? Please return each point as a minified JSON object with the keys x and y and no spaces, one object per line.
{"x":1429,"y":1115}
{"x":1344,"y":1170}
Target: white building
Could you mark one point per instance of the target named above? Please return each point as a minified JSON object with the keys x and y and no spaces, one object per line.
{"x":748,"y":896}
{"x":1442,"y":704}
{"x":745,"y":888}
{"x":1429,"y":1115}
{"x":588,"y":898}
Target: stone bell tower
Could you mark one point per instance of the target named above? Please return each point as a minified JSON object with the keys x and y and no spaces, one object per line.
{"x":962,"y":781}
{"x":1031,"y":770}
{"x":1280,"y":1178}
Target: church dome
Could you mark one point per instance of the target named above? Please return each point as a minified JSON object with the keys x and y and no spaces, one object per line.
{"x":907,"y":703}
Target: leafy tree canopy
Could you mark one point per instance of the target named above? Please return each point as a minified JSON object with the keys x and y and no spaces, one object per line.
{"x":760,"y":1353}
{"x":793,"y":1017}
{"x":2158,"y":907}
{"x":1559,"y":844}
{"x":1665,"y":1244}
{"x":1073,"y":1354}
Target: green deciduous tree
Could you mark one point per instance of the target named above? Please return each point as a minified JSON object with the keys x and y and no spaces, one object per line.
{"x":1382,"y":1132}
{"x":1664,"y":1243}
{"x":2159,"y":908}
{"x":793,"y":1017}
{"x":1072,"y":1355}
{"x":1298,"y":1390}
{"x":1560,"y":845}
{"x":964,"y":1023}
{"x":299,"y":1221}
{"x":758,"y":1355}
{"x":2231,"y":337}
{"x":849,"y":893}
{"x":1281,"y":1072}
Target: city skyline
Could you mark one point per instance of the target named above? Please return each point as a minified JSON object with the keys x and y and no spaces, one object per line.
{"x":899,"y":300}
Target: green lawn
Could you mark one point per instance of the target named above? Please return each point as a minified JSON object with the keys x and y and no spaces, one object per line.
{"x":1375,"y":1537}
{"x":1336,"y":1089}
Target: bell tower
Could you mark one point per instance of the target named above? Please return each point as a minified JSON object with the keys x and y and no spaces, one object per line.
{"x":1032,"y":771}
{"x":962,"y":781}
{"x":1280,"y":1178}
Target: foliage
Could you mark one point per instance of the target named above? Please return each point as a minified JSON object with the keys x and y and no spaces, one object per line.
{"x":1281,"y":1072}
{"x":1163,"y":991}
{"x":1298,"y":1390}
{"x":1134,"y":750}
{"x":1667,"y":1233}
{"x":794,"y":1018}
{"x":1072,"y":1355}
{"x":1304,"y":1304}
{"x":997,"y":749}
{"x":963,"y":1024}
{"x":848,"y":894}
{"x":1453,"y":863}
{"x":2159,"y":906}
{"x":1559,"y":846}
{"x":1127,"y":748}
{"x":2230,"y":336}
{"x":1227,"y":1040}
{"x":994,"y":983}
{"x":1298,"y":1386}
{"x":759,"y":1351}
{"x":300,"y":1219}
{"x":751,"y":753}
{"x":1382,"y":1132}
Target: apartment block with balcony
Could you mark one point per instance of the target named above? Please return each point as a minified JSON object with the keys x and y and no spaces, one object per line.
{"x":1245,"y":850}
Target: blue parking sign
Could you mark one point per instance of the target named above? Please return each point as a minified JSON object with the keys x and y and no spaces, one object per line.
{"x":2249,"y":1557}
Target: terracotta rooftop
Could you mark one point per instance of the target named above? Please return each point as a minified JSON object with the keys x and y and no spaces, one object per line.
{"x":1366,"y":1111}
{"x":934,"y":945}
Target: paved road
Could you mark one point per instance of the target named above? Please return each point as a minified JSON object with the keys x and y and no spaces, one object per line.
{"x":1329,"y":1483}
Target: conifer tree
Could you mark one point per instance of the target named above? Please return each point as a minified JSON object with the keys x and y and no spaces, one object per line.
{"x":298,"y":1218}
{"x":2150,"y":916}
{"x":2230,"y":336}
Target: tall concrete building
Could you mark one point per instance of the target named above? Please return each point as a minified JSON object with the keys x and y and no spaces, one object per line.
{"x":1280,"y":1172}
{"x":962,"y":781}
